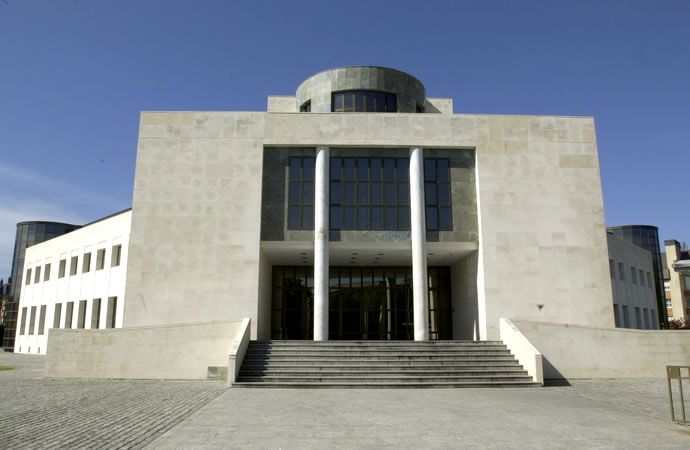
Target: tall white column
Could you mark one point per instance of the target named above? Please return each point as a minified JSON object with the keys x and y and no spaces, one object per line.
{"x":420,"y":299}
{"x":321,"y":201}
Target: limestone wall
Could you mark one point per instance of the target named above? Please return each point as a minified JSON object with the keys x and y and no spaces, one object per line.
{"x":571,"y":351}
{"x":181,"y":351}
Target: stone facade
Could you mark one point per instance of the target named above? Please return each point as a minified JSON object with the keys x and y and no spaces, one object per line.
{"x":209,"y":208}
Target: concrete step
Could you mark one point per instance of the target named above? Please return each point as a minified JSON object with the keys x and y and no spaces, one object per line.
{"x":388,"y":385}
{"x":380,"y":364}
{"x":383,"y":379}
{"x":365,"y":370}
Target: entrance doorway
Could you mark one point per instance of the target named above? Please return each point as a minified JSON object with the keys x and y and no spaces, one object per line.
{"x":365,"y":303}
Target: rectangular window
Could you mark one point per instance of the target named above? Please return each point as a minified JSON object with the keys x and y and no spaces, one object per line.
{"x":301,"y":193}
{"x":37,"y":274}
{"x":437,"y":194}
{"x":68,"y":314}
{"x":32,"y":321}
{"x":369,"y":194}
{"x":73,"y":265}
{"x":100,"y":259}
{"x":649,"y":280}
{"x":626,"y":317}
{"x":652,"y":315}
{"x":56,"y":315}
{"x":81,"y":318}
{"x":42,"y":320}
{"x":22,"y":328}
{"x":612,"y":269}
{"x":641,"y":278}
{"x":27,"y":281}
{"x":95,"y":312}
{"x":61,"y":269}
{"x":645,"y":316}
{"x":638,"y":318}
{"x":111,"y":313}
{"x":86,"y":263}
{"x":621,"y":274}
{"x":46,"y":272}
{"x":617,"y":320}
{"x":633,"y":275}
{"x":115,"y":257}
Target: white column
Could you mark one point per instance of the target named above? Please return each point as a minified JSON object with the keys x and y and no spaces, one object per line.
{"x":420,"y":298}
{"x":321,"y":201}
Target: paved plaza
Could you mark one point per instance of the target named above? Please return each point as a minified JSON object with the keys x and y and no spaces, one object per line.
{"x":39,"y":413}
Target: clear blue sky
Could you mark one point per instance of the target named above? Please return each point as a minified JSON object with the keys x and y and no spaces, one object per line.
{"x":74,"y":75}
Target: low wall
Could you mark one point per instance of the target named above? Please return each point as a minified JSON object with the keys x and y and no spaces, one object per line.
{"x":178,"y":351}
{"x":575,"y":351}
{"x":527,"y":355}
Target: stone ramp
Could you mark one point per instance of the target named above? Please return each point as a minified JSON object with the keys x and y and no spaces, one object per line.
{"x":381,"y":364}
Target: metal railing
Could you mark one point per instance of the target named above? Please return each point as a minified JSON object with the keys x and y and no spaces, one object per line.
{"x":676,"y":373}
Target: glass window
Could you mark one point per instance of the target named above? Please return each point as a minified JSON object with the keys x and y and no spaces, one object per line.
{"x":364,"y":101}
{"x":437,"y":195}
{"x":27,"y":281}
{"x":73,"y":265}
{"x":37,"y":275}
{"x":86,"y":263}
{"x":46,"y":274}
{"x":301,"y":193}
{"x":61,"y":269}
{"x":100,"y":259}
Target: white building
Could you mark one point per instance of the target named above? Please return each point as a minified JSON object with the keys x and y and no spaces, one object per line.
{"x":74,"y":281}
{"x":632,"y":281}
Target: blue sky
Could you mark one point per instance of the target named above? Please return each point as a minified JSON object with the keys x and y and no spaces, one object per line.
{"x":75,"y":74}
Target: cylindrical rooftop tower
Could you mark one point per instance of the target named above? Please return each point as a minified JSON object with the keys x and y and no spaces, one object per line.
{"x":361,"y":89}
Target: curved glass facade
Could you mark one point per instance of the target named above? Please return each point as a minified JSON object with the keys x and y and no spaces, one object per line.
{"x":28,"y":234}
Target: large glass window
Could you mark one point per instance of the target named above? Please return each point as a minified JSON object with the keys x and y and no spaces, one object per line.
{"x":363,"y":101}
{"x":301,"y":194}
{"x":369,"y":194}
{"x":437,"y":195}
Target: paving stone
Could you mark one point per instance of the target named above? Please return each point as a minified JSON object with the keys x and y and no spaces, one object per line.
{"x":59,"y":413}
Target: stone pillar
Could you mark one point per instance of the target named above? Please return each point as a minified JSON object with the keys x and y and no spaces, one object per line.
{"x":420,"y":297}
{"x":321,"y":202}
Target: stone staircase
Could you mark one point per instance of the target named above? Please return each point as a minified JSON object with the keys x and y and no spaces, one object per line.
{"x":380,"y":364}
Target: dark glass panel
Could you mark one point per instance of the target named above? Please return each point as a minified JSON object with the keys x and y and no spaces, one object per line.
{"x":294,"y":192}
{"x":389,"y":193}
{"x":345,"y":277}
{"x":335,"y":193}
{"x":308,"y":218}
{"x":430,"y":169}
{"x":349,"y":218}
{"x":295,"y":164}
{"x":403,"y":169}
{"x":349,"y":194}
{"x":371,"y":101}
{"x":363,"y":193}
{"x":308,"y":192}
{"x":349,"y":166}
{"x":431,"y":219}
{"x":308,"y":168}
{"x":336,"y":164}
{"x":442,"y":169}
{"x":348,"y":98}
{"x":390,"y":103}
{"x":337,"y":102}
{"x":293,"y":217}
{"x":375,"y":170}
{"x":32,"y":227}
{"x":362,"y":169}
{"x":377,"y":218}
{"x":444,"y":194}
{"x":430,"y":193}
{"x":335,"y":222}
{"x":403,"y":194}
{"x":380,"y":102}
{"x":363,"y":218}
{"x":389,"y":169}
{"x":404,"y":218}
{"x":376,"y":194}
{"x":390,"y":219}
{"x":360,"y":104}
